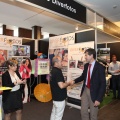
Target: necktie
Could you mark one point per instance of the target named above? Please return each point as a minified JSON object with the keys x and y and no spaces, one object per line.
{"x":88,"y":79}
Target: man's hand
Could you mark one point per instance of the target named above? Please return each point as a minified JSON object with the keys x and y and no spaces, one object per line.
{"x":72,"y":82}
{"x":117,"y":71}
{"x":96,"y":104}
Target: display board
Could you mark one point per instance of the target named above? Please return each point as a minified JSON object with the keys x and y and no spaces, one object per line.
{"x":6,"y":42}
{"x":103,"y":55}
{"x":58,"y":46}
{"x":40,"y":66}
{"x":76,"y":63}
{"x":20,"y":50}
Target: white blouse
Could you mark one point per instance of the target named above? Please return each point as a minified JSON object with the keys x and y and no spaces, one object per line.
{"x":14,"y":79}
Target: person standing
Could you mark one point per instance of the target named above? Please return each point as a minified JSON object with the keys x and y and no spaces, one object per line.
{"x":58,"y":89}
{"x":12,"y":99}
{"x":25,"y":71}
{"x":94,"y":85}
{"x":114,"y":69}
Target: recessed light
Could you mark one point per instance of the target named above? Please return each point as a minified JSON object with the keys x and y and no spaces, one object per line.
{"x":76,"y":28}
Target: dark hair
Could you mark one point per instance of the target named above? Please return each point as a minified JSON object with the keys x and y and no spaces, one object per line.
{"x":29,"y":65}
{"x":114,"y":56}
{"x":23,"y":62}
{"x":91,"y":51}
{"x":54,"y":60}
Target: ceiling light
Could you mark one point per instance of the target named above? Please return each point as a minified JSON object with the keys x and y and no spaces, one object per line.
{"x":76,"y":28}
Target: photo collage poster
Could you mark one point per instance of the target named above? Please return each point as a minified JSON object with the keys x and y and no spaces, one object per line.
{"x":11,"y":48}
{"x":63,"y":54}
{"x":76,"y":61}
{"x":58,"y":46}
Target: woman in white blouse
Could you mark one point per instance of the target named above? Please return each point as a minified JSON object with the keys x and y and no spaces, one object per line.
{"x":12,"y":99}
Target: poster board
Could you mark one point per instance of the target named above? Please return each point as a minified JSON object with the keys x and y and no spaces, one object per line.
{"x":42,"y":67}
{"x":76,"y":63}
{"x":6,"y":42}
{"x":103,"y":56}
{"x":58,"y":46}
{"x":19,"y":51}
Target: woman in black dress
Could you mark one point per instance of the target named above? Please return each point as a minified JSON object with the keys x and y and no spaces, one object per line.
{"x":12,"y":99}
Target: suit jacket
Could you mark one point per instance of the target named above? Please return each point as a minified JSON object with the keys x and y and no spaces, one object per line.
{"x":97,"y":82}
{"x":7,"y":82}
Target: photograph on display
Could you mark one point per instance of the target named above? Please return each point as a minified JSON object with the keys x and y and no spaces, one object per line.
{"x":80,"y":64}
{"x":21,"y":50}
{"x":3,"y":58}
{"x":103,"y":55}
{"x":76,"y":59}
{"x":42,"y":66}
{"x":63,"y":54}
{"x":72,"y":64}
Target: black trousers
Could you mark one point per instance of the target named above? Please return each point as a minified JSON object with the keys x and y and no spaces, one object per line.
{"x":116,"y":85}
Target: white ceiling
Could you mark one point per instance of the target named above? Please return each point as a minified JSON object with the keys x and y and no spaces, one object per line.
{"x":20,"y":17}
{"x":12,"y":15}
{"x":105,"y":8}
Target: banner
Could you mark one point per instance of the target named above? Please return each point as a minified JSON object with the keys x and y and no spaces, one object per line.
{"x":42,"y":67}
{"x":103,"y":56}
{"x":3,"y":58}
{"x":76,"y":63}
{"x":63,"y":54}
{"x":69,"y":8}
{"x":58,"y":46}
{"x":61,"y":41}
{"x":6,"y":42}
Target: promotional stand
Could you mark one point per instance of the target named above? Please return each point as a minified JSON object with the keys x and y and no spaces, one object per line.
{"x":42,"y":91}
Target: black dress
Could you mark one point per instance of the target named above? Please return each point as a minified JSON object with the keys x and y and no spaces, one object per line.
{"x":12,"y":100}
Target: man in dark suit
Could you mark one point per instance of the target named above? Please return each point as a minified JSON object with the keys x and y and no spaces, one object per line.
{"x":94,"y":85}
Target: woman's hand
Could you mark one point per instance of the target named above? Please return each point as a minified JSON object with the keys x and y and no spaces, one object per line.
{"x":24,"y":81}
{"x":18,"y":82}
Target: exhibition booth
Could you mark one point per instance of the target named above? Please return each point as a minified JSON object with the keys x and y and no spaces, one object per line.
{"x":97,"y":33}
